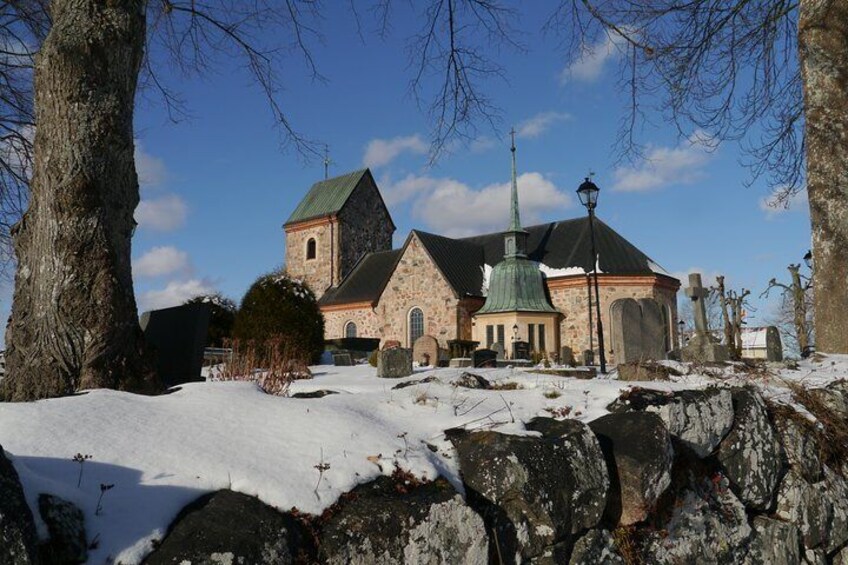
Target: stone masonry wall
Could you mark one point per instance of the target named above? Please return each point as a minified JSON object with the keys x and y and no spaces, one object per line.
{"x":418,"y":282}
{"x":364,"y":226}
{"x":318,"y":272}
{"x":367,"y":323}
{"x":573,"y":302}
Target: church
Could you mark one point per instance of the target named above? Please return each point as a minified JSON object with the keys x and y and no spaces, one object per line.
{"x":531,"y":284}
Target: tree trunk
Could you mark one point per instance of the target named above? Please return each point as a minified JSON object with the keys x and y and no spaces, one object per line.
{"x":74,"y":320}
{"x":799,"y":300}
{"x":728,"y":323}
{"x":823,"y":55}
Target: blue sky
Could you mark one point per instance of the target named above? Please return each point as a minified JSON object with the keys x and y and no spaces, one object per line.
{"x":217,"y":187}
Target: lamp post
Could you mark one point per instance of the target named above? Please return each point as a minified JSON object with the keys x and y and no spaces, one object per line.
{"x":588,"y":194}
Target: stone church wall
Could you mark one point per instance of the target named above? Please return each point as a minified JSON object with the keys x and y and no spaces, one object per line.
{"x":572,"y":299}
{"x":417,"y":282}
{"x":318,"y":272}
{"x":365,"y":226}
{"x":367,"y":323}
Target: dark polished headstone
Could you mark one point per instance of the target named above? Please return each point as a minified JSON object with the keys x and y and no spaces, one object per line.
{"x":484,"y":358}
{"x":178,"y":336}
{"x":521,"y":350}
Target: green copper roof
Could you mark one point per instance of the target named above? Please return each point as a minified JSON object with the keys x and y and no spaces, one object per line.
{"x":326,"y":197}
{"x":516,"y":285}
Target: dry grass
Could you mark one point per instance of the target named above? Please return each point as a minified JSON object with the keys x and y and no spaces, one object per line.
{"x":628,"y":545}
{"x":831,"y":436}
{"x":272,"y":364}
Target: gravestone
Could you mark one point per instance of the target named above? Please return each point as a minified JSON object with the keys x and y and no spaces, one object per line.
{"x":774,"y":348}
{"x":342,"y":359}
{"x":653,"y":329}
{"x":394,"y":363}
{"x":638,"y":330}
{"x":426,"y":345}
{"x":178,"y":336}
{"x":566,"y":355}
{"x":626,"y":317}
{"x":498,"y":348}
{"x":588,"y":357}
{"x":702,"y":346}
{"x":521,"y":350}
{"x":484,"y":358}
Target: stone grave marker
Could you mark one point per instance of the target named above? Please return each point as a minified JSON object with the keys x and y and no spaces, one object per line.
{"x":428,"y":346}
{"x":653,"y":329}
{"x":702,"y":347}
{"x":774,"y":347}
{"x":179,"y":336}
{"x":343,"y":359}
{"x":484,"y":358}
{"x":521,"y":350}
{"x":626,"y":317}
{"x":566,"y":356}
{"x":394,"y":363}
{"x":498,"y":348}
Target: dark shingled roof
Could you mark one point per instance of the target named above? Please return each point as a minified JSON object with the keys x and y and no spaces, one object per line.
{"x":460,"y":261}
{"x":559,"y":245}
{"x":327,"y":197}
{"x":365,"y":281}
{"x":567,"y":243}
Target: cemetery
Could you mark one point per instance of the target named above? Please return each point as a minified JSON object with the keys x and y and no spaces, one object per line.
{"x":426,"y":355}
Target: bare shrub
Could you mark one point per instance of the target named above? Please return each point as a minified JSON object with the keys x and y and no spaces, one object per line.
{"x":271,"y":363}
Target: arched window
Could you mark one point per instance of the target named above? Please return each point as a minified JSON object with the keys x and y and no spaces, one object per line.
{"x":310,"y":248}
{"x":416,"y":325}
{"x":350,"y":329}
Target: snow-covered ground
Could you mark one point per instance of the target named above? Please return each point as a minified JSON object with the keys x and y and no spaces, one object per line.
{"x":162,"y":452}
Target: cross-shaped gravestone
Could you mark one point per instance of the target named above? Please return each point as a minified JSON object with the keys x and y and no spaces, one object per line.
{"x":697,"y":293}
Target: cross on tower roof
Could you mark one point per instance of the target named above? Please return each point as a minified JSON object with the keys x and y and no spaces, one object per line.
{"x":327,"y":162}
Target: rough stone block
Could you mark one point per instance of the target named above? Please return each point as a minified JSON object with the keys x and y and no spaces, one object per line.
{"x":394,"y":363}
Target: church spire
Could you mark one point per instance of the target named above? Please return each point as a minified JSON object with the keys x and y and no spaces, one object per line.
{"x":515,"y":220}
{"x":515,"y":238}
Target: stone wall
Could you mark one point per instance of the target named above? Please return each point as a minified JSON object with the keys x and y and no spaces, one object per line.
{"x":335,"y":319}
{"x":319,"y":273}
{"x":417,"y":282}
{"x":365,"y":226}
{"x":697,"y":476}
{"x":570,"y":296}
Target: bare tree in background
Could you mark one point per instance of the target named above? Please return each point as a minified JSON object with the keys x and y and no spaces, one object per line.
{"x":74,"y":318}
{"x":793,"y":316}
{"x":720,"y":70}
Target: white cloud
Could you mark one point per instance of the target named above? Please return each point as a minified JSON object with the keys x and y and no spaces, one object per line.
{"x":592,"y":60}
{"x":482,"y":144}
{"x":381,"y":152}
{"x":174,"y":294}
{"x":151,"y":170}
{"x":165,"y":213}
{"x":452,"y":208}
{"x":663,"y":166}
{"x":774,"y":208}
{"x":160,"y":261}
{"x":540,"y":123}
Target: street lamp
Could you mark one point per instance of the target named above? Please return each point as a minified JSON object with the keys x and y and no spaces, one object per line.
{"x":588,"y":194}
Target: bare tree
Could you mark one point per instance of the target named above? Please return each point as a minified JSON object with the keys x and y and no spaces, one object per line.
{"x":727,"y":320}
{"x":737,"y":303}
{"x":796,"y":298}
{"x":720,"y":68}
{"x":74,"y":317}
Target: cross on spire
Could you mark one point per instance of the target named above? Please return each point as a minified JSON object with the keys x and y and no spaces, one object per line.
{"x":327,"y":162}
